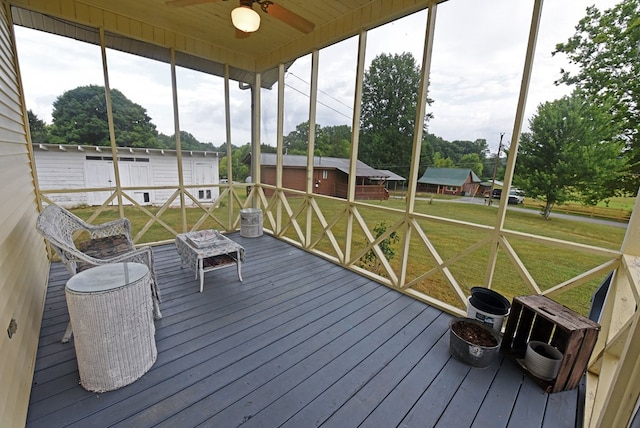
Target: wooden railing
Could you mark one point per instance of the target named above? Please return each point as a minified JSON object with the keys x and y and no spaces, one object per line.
{"x":287,"y":213}
{"x":616,"y":214}
{"x":613,"y":376}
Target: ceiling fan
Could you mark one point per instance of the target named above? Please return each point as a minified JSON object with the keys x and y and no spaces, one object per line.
{"x":247,"y":20}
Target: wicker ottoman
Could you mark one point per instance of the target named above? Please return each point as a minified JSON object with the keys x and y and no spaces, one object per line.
{"x":112,"y":318}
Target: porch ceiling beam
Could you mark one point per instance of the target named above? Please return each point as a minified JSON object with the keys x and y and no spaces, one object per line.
{"x":368,"y":16}
{"x":152,"y":22}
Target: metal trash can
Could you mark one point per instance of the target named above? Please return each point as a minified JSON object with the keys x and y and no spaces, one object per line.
{"x":250,"y":222}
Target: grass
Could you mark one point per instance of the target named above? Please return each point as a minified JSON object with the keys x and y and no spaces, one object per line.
{"x":619,"y":202}
{"x":547,"y":266}
{"x":613,"y":208}
{"x":157,"y":232}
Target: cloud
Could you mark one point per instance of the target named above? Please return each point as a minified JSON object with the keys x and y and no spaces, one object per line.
{"x":476,"y":71}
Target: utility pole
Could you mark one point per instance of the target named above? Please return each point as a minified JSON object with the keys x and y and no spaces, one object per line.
{"x":495,"y":169}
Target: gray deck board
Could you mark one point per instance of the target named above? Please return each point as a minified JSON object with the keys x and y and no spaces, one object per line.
{"x":529,"y":413}
{"x":558,"y":412}
{"x":301,"y":342}
{"x":469,"y":396}
{"x":500,"y":399}
{"x":317,"y":410}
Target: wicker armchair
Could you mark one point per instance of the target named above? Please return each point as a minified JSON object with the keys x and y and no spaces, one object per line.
{"x":104,"y":243}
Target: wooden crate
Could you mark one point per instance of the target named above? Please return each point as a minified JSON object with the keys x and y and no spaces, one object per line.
{"x":540,"y":318}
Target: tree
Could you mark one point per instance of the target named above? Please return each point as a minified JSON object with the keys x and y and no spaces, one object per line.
{"x":606,"y":47}
{"x":440,"y":162}
{"x":80,"y":117}
{"x":566,"y":154}
{"x":464,"y":154}
{"x":333,"y":141}
{"x":240,"y":169}
{"x":296,"y":142}
{"x":389,"y":101}
{"x":370,"y":260}
{"x":187,"y":142}
{"x":38,"y":129}
{"x":472,"y":161}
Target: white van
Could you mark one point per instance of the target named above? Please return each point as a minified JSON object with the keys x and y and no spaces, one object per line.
{"x":516,"y":196}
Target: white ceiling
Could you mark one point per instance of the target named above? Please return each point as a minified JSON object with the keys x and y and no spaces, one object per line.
{"x":202,"y":35}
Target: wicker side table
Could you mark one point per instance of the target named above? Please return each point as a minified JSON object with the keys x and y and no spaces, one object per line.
{"x":112,"y":318}
{"x":214,"y":253}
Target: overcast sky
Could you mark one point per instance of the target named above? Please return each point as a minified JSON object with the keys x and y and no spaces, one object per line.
{"x":476,"y":72}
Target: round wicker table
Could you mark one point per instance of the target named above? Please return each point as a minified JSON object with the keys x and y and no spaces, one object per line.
{"x":112,"y":318}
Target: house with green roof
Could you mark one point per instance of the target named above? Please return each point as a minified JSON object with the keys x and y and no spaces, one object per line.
{"x":450,"y":181}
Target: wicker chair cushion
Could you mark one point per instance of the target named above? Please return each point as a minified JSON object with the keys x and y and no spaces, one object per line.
{"x":104,"y":248}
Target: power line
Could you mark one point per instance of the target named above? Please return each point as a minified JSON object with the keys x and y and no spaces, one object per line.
{"x":319,"y":90}
{"x":319,"y":102}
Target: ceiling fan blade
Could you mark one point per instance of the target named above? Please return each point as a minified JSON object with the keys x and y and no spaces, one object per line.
{"x":181,"y":3}
{"x":288,"y":17}
{"x":241,"y":34}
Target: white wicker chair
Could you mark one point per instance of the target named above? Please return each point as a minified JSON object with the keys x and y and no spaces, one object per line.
{"x":107,"y":243}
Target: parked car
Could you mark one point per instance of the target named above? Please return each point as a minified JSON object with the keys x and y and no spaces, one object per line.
{"x":516,"y":196}
{"x":496,"y":193}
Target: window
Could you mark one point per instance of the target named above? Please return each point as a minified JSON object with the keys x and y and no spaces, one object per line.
{"x":204,"y":194}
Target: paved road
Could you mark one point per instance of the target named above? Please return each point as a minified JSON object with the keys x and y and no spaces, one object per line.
{"x":481,"y":201}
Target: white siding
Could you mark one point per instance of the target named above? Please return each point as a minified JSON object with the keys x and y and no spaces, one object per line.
{"x":23,"y":260}
{"x":61,"y":170}
{"x":70,"y":169}
{"x":165,"y":173}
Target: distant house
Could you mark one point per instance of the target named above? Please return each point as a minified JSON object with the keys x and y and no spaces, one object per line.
{"x":330,"y":176}
{"x":450,"y":181}
{"x":82,"y":167}
{"x":487,"y":186}
{"x":391,"y":182}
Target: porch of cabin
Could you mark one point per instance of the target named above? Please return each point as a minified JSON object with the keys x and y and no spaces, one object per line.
{"x":300,"y":342}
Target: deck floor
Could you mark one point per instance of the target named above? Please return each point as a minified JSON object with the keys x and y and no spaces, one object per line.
{"x":301,"y":342}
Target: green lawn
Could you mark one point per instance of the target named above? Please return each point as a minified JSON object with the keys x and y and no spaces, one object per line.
{"x":619,"y":202}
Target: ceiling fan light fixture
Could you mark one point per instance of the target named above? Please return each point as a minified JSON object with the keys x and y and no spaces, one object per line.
{"x":244,"y":18}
